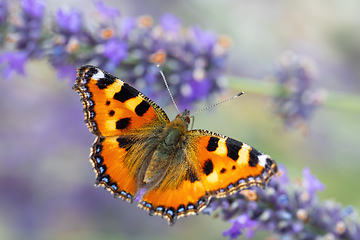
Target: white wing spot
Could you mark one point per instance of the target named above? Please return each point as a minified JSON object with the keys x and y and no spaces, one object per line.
{"x":98,"y":75}
{"x":262,"y":159}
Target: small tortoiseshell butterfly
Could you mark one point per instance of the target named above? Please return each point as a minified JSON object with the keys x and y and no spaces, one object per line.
{"x":137,"y":147}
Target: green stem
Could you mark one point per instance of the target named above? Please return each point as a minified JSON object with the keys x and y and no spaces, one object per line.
{"x":335,"y":100}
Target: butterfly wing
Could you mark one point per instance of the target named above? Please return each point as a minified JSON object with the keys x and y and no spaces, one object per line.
{"x":212,"y":165}
{"x":112,"y":107}
{"x":226,"y":166}
{"x":180,"y":193}
{"x":122,"y":118}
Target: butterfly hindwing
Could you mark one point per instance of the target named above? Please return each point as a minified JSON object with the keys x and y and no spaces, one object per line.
{"x":114,"y":108}
{"x":107,"y":156}
{"x":171,"y":201}
{"x":180,"y":193}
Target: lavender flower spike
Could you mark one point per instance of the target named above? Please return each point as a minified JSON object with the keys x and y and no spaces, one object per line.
{"x":192,"y":60}
{"x":297,"y":96}
{"x":287,"y":210}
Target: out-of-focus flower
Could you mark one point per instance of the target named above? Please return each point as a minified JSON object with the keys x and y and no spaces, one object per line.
{"x":170,"y":23}
{"x":29,"y":31}
{"x":115,"y":51}
{"x":241,"y":222}
{"x":26,"y":37}
{"x":282,"y":210}
{"x":68,"y":20}
{"x":297,"y":95}
{"x":311,"y":183}
{"x":14,"y":62}
{"x":192,"y":60}
{"x":33,"y":8}
{"x":107,"y":11}
{"x":4,"y":13}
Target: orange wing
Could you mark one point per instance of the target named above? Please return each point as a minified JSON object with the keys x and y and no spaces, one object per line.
{"x":213,"y":166}
{"x":179,"y":194}
{"x":120,"y":116}
{"x":107,"y":156}
{"x":227,"y":166}
{"x":112,"y":107}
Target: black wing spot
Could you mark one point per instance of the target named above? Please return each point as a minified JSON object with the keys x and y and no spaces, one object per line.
{"x":233,"y":167}
{"x":103,"y":83}
{"x":208,"y":167}
{"x":268,"y":164}
{"x":142,"y":108}
{"x":253,"y":157}
{"x":223,"y":170}
{"x":123,"y":123}
{"x":90,"y":72}
{"x":107,"y":102}
{"x":233,"y":146}
{"x":127,"y":92}
{"x":213,"y":144}
{"x":111,"y":113}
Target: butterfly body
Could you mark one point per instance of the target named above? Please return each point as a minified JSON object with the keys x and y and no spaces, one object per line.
{"x":138,"y":147}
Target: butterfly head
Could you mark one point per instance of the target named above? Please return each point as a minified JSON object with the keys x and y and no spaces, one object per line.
{"x":184,"y":116}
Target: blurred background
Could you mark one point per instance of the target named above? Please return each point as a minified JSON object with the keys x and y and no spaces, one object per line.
{"x":46,"y":180}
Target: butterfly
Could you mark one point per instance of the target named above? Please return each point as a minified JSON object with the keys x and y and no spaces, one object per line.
{"x":139,"y":150}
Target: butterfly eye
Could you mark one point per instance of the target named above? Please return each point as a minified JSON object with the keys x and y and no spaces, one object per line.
{"x":187,"y":119}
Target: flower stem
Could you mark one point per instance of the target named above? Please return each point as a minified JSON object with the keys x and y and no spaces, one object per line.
{"x":335,"y":100}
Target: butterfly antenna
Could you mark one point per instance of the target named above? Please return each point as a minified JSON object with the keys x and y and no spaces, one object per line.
{"x":226,"y":100}
{"x":167,"y":87}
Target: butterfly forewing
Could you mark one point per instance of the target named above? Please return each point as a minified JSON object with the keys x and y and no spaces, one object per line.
{"x":227,"y":165}
{"x":114,"y":108}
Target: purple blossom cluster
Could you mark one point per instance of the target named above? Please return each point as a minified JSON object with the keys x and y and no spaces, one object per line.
{"x":290,"y":210}
{"x":192,"y":59}
{"x":296,"y":95}
{"x":3,"y":19}
{"x":24,"y":35}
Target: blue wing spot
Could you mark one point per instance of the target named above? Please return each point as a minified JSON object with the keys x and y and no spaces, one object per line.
{"x":190,"y":206}
{"x":105,"y":179}
{"x":181,"y":208}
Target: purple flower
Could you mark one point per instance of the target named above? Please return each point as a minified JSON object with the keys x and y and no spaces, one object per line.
{"x":14,"y":63}
{"x":311,"y":183}
{"x":3,"y":11}
{"x":193,"y":62}
{"x":170,"y":23}
{"x":34,"y":8}
{"x":127,"y":25}
{"x":69,"y":21}
{"x":115,"y":51}
{"x":297,"y":96}
{"x":106,"y":11}
{"x":205,"y":40}
{"x":241,"y":222}
{"x":29,"y":32}
{"x":281,"y":210}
